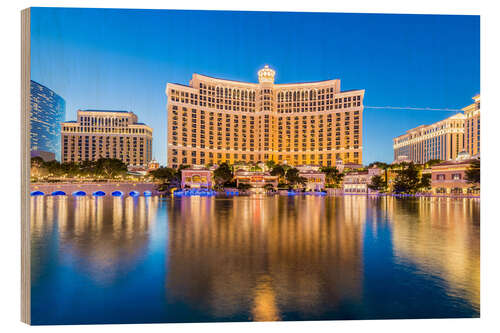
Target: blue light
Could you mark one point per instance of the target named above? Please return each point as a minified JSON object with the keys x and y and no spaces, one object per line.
{"x":117,"y":193}
{"x":134,"y":194}
{"x":58,"y":193}
{"x":36,"y":193}
{"x":79,"y":194}
{"x":99,"y":194}
{"x":147,"y":193}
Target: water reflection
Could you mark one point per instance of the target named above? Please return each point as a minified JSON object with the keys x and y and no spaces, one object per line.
{"x":441,"y":237}
{"x":127,"y":260}
{"x":93,"y":235}
{"x":265,"y":256}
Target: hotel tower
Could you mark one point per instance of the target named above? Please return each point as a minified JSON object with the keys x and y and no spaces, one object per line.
{"x":473,"y":127}
{"x":106,"y":134}
{"x":442,"y":140}
{"x":216,"y":120}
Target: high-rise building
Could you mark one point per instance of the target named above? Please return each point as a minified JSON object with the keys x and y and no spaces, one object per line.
{"x":443,"y":140}
{"x":107,"y":134}
{"x":472,"y":127}
{"x":216,"y":120}
{"x":48,"y":110}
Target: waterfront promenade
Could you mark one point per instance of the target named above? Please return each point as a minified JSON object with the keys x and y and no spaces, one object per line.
{"x":91,"y":187}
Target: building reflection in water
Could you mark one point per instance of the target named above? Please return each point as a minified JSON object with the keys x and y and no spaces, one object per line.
{"x":441,"y":237}
{"x":101,"y":237}
{"x":254,"y":258}
{"x":265,"y":257}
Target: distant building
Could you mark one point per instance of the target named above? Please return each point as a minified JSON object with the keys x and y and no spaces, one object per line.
{"x":442,"y":140}
{"x":341,"y":166}
{"x":472,"y":127}
{"x":47,"y":111}
{"x":315,"y":180}
{"x":216,"y":120}
{"x":153,"y":165}
{"x":358,"y":181}
{"x":256,"y":179}
{"x":44,"y":155}
{"x":197,"y":177}
{"x":449,"y":177}
{"x":106,"y":134}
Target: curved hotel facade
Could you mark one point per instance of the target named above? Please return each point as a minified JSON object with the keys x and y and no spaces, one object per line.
{"x":442,"y":140}
{"x":215,"y":120}
{"x":107,"y":134}
{"x":47,"y":111}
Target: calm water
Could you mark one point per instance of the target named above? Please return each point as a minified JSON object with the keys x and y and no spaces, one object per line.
{"x":114,"y":260}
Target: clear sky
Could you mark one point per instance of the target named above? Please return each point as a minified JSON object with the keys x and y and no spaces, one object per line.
{"x":122,"y":60}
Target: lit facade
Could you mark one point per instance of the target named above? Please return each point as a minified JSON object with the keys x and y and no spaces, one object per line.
{"x":215,"y":120}
{"x":449,"y":178}
{"x":47,"y":111}
{"x":197,"y":178}
{"x":256,"y":179}
{"x":472,"y":127}
{"x":443,"y":140}
{"x":358,"y":181}
{"x":106,"y":134}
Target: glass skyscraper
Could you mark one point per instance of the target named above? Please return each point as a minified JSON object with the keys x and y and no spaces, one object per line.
{"x":48,"y":110}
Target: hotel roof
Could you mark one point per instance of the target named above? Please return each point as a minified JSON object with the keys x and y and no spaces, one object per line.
{"x":94,"y":110}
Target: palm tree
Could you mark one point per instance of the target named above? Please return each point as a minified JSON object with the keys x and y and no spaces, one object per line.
{"x":333,"y":176}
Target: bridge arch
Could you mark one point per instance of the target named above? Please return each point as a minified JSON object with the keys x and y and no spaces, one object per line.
{"x":99,"y":193}
{"x":79,"y":194}
{"x":36,"y":193}
{"x":58,"y":193}
{"x":134,"y":194}
{"x":117,"y":193}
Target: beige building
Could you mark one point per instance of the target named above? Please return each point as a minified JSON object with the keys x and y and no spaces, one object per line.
{"x":472,"y":127}
{"x":442,"y":140}
{"x":108,"y":134}
{"x":449,"y":178}
{"x":215,"y":120}
{"x":358,"y":181}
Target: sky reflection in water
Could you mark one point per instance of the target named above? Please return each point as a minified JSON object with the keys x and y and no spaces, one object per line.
{"x":129,"y":260}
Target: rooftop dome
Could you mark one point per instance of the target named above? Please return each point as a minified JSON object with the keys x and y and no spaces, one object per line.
{"x":266,"y":74}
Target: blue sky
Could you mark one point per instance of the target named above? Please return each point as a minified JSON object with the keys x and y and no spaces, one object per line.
{"x":122,"y":59}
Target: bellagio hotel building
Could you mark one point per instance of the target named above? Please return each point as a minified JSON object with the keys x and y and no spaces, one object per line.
{"x":106,"y":134}
{"x":216,"y":120}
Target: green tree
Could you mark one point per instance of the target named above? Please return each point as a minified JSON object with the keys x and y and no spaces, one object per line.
{"x":70,"y":169}
{"x":163,"y":174}
{"x":293,"y":178}
{"x":110,"y":167}
{"x":53,"y":168}
{"x":425,"y":182}
{"x":255,"y":167}
{"x":278,"y":170}
{"x":473,"y":172}
{"x":407,"y":179}
{"x":384,"y":166}
{"x":223,"y":174}
{"x":270,"y":164}
{"x":37,"y":167}
{"x":378,"y":184}
{"x":269,"y":187}
{"x":333,"y":176}
{"x":432,"y":162}
{"x":244,"y":186}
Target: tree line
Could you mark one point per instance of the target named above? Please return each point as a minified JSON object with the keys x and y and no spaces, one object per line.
{"x":410,"y":178}
{"x":103,"y":168}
